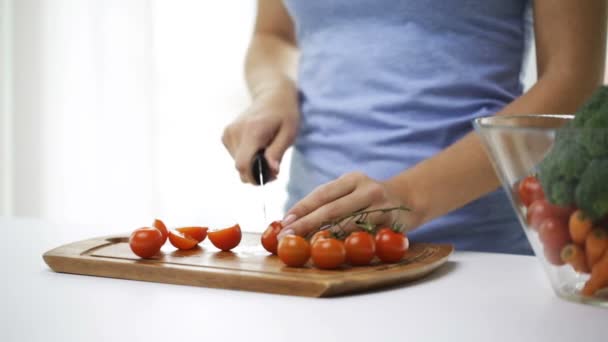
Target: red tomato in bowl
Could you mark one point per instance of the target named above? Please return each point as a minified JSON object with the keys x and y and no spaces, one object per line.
{"x":227,"y":238}
{"x":269,"y":238}
{"x":530,"y":190}
{"x":539,"y":210}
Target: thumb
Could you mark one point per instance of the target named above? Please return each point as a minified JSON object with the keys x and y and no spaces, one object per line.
{"x":278,"y":146}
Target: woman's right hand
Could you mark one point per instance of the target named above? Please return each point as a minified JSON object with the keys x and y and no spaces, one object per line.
{"x":271,"y":122}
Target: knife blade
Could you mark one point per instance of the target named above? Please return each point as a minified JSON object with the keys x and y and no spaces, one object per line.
{"x":261,"y":174}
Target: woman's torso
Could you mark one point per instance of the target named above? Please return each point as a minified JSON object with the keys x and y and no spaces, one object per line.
{"x":385,"y":84}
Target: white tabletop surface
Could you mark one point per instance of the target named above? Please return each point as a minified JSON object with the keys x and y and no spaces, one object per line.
{"x":475,"y":297}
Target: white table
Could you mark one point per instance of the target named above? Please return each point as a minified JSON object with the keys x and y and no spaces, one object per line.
{"x":476,"y":297}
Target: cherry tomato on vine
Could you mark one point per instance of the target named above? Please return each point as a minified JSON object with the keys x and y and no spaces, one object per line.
{"x":390,"y":245}
{"x":160,"y":225}
{"x":182,"y":241}
{"x":227,"y":238}
{"x":321,"y":234}
{"x":269,"y":238}
{"x":360,"y":248}
{"x":530,"y":190}
{"x":328,"y":253}
{"x":197,"y":233}
{"x":293,"y":250}
{"x":146,"y":241}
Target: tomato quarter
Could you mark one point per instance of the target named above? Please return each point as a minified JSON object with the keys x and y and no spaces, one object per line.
{"x":146,"y":242}
{"x":390,"y":245}
{"x":293,"y":250}
{"x":182,"y":241}
{"x":160,"y":225}
{"x":360,"y":248}
{"x":197,"y":233}
{"x":269,"y":238}
{"x":328,"y":253}
{"x":227,"y":238}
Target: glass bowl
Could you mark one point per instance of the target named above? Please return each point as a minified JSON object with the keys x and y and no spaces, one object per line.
{"x":521,"y":148}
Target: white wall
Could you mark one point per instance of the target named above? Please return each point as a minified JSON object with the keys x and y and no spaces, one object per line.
{"x":5,"y":107}
{"x":118,"y":111}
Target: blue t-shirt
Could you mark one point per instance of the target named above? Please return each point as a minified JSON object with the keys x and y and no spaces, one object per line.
{"x":385,"y":84}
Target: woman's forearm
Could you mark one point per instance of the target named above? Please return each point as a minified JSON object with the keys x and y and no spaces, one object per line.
{"x":570,"y":63}
{"x":271,"y":62}
{"x":462,"y":172}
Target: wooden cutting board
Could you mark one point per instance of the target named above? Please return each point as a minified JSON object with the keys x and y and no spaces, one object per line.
{"x":249,"y":267}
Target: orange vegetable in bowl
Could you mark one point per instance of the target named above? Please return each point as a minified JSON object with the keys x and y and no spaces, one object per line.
{"x":599,"y":277}
{"x":579,"y":227}
{"x":596,"y":245}
{"x":575,"y":256}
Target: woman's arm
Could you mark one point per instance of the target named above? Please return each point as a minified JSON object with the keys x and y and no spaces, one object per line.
{"x":272,"y":54}
{"x":570,"y":47}
{"x":570,"y":44}
{"x":272,"y":119}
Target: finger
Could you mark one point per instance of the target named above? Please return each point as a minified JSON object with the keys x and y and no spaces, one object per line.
{"x":329,"y":212}
{"x":228,"y":139}
{"x":324,"y":194}
{"x":278,"y":146}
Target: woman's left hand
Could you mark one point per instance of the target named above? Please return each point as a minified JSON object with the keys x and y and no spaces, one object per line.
{"x":347,"y":194}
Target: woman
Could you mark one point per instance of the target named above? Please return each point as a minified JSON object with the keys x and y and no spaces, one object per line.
{"x":380,"y":112}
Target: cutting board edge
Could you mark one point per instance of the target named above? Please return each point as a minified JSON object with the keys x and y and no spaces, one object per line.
{"x":360,"y":283}
{"x":184,"y":275}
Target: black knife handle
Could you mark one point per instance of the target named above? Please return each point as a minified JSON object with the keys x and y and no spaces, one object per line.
{"x":255,"y":167}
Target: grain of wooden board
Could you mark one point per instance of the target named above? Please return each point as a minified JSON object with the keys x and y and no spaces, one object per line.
{"x":249,"y":267}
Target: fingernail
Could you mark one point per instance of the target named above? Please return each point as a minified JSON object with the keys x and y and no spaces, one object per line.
{"x":284,"y":233}
{"x":289,"y":219}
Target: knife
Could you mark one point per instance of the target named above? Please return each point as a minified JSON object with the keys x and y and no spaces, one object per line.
{"x":261,"y":175}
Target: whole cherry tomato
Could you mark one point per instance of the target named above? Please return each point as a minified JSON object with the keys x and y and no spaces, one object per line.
{"x":197,"y":233}
{"x":160,"y":225}
{"x":390,"y":245}
{"x":269,"y":238}
{"x":554,"y":234}
{"x":182,"y":241}
{"x":328,"y":253}
{"x":539,"y":210}
{"x":321,"y":234}
{"x":293,"y":250}
{"x":146,"y":241}
{"x":360,"y":248}
{"x":227,"y":238}
{"x":530,"y":190}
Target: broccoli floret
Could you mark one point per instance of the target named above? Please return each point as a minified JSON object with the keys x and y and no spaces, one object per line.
{"x":595,"y":137}
{"x":573,"y":159}
{"x":598,"y":103}
{"x":562,"y":192}
{"x":592,"y":190}
{"x":577,"y":144}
